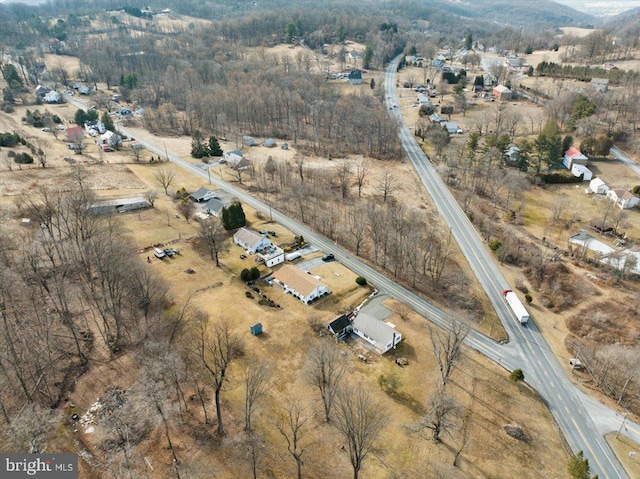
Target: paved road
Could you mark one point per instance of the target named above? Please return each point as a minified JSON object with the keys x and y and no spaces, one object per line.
{"x":627,"y":160}
{"x":529,"y":343}
{"x":542,"y":370}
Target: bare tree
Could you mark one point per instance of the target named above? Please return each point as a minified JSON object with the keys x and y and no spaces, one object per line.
{"x":187,"y":208}
{"x":217,"y":348}
{"x":440,"y":416}
{"x":360,"y":420}
{"x":291,"y":426}
{"x":386,"y":185}
{"x":211,"y":238}
{"x":344,"y":173}
{"x":324,"y":369}
{"x":257,"y":375}
{"x":362,"y":169}
{"x":151,"y":197}
{"x":447,"y":346}
{"x":40,"y":150}
{"x":165,"y":177}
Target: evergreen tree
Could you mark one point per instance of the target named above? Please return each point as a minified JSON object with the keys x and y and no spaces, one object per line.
{"x":367,"y":57}
{"x":579,"y":467}
{"x":468,"y":41}
{"x":214,"y":147}
{"x":107,"y":121}
{"x":199,"y":148}
{"x":233,"y":217}
{"x":373,"y":84}
{"x":80,"y":117}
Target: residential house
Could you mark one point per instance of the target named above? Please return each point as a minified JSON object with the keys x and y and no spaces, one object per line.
{"x":600,"y":84}
{"x":340,"y":327}
{"x":451,"y":127}
{"x":513,"y":61}
{"x":580,"y":170}
{"x":243,"y":164}
{"x":300,"y":284}
{"x":355,"y":77}
{"x":202,"y":194}
{"x":250,"y":240}
{"x":214,"y":206}
{"x":95,"y":128}
{"x":227,"y":154}
{"x":573,"y":155}
{"x":52,"y":97}
{"x":512,"y":156}
{"x":269,"y":143}
{"x":75,"y":134}
{"x":502,"y":93}
{"x":121,"y":205}
{"x":597,"y":186}
{"x":435,"y":118}
{"x":41,"y":91}
{"x":109,"y":141}
{"x":381,"y":335}
{"x":623,"y":198}
{"x":354,"y":55}
{"x":489,"y":80}
{"x":424,"y":100}
{"x":249,"y":141}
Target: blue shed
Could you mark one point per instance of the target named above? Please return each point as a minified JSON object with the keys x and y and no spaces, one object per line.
{"x":256,"y":329}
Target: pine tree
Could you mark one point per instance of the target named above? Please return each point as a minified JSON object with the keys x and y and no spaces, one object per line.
{"x":214,"y":147}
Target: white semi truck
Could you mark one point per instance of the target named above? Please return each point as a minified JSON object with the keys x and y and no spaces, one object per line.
{"x":516,"y":306}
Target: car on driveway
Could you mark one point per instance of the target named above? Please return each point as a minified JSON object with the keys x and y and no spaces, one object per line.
{"x":328,"y":257}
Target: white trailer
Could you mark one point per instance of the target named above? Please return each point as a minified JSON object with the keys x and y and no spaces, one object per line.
{"x":516,"y":306}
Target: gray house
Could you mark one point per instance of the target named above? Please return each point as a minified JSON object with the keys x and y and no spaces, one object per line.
{"x":202,"y":194}
{"x":600,"y":84}
{"x":214,"y":206}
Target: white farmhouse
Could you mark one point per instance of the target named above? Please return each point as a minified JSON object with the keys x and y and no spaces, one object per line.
{"x":382,"y":336}
{"x":250,"y":240}
{"x":623,"y":198}
{"x":300,"y":284}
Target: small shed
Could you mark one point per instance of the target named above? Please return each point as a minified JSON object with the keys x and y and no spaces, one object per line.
{"x":249,"y":141}
{"x":269,"y":143}
{"x":256,"y":329}
{"x":285,"y":146}
{"x":600,"y":84}
{"x":581,"y":170}
{"x":598,"y":186}
{"x":450,"y":126}
{"x":355,"y":77}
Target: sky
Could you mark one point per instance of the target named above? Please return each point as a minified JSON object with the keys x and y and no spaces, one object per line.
{"x":601,"y":8}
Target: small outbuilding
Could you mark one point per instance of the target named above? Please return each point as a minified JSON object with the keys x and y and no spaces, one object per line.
{"x":581,"y":170}
{"x":600,"y":84}
{"x":502,"y":93}
{"x":597,"y":186}
{"x":355,"y":77}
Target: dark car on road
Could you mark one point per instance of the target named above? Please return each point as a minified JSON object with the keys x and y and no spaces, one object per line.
{"x":328,"y":257}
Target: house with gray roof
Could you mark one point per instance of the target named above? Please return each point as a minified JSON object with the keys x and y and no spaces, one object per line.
{"x":214,"y":206}
{"x":202,"y":194}
{"x":250,"y":240}
{"x":600,"y":84}
{"x":381,"y":335}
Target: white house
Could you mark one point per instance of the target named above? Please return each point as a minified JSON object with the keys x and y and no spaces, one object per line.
{"x":578,"y":170}
{"x":623,"y":198}
{"x":597,"y":186}
{"x":109,"y":140}
{"x":573,"y":155}
{"x":250,"y":240}
{"x":382,"y":336}
{"x":227,"y":154}
{"x":52,"y":97}
{"x":300,"y":284}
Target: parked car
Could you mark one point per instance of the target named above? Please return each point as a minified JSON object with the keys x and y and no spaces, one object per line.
{"x":169,"y":252}
{"x":328,"y":257}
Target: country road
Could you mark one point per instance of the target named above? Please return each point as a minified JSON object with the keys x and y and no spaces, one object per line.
{"x":541,"y":368}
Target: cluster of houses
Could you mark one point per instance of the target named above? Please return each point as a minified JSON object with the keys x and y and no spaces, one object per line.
{"x":451,"y":126}
{"x":212,"y":201}
{"x":576,"y":162}
{"x":47,"y":95}
{"x":353,"y":77}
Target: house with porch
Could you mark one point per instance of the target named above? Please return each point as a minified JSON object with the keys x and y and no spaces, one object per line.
{"x":623,"y":199}
{"x":379,"y":334}
{"x":300,"y":284}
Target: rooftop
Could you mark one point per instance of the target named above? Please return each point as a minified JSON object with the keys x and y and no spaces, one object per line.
{"x":296,"y":279}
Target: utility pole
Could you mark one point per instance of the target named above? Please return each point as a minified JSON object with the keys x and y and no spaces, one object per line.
{"x":622,"y":425}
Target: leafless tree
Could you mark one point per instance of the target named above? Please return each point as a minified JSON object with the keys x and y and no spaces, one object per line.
{"x":447,"y":346}
{"x":187,"y":208}
{"x":151,"y":197}
{"x":344,"y":173}
{"x":217,"y":348}
{"x":41,"y":147}
{"x":257,"y":375}
{"x":291,"y":425}
{"x":386,"y":185}
{"x":324,"y":369}
{"x":211,"y":237}
{"x":356,"y":222}
{"x":559,"y":204}
{"x":31,"y":429}
{"x":440,"y":418}
{"x":6,"y":161}
{"x":165,"y":177}
{"x":360,"y":420}
{"x":362,"y":169}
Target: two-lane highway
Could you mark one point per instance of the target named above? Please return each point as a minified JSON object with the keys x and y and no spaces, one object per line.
{"x":541,"y":368}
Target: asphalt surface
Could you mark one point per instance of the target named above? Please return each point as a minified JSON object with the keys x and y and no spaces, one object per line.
{"x":626,"y":160}
{"x":541,"y":368}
